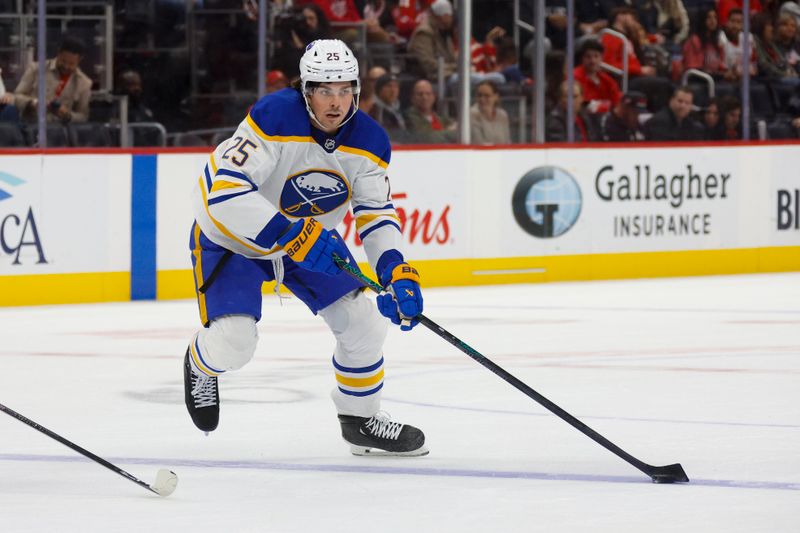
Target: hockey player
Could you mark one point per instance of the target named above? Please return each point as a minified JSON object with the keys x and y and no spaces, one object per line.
{"x":266,"y":205}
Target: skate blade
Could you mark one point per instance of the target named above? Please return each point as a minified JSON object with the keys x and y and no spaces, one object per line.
{"x":364,"y":451}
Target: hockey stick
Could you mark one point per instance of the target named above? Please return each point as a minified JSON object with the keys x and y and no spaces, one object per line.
{"x":165,"y":482}
{"x":659,"y":474}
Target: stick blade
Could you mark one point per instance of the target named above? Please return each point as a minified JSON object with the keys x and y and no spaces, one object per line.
{"x":669,"y":474}
{"x":165,"y":483}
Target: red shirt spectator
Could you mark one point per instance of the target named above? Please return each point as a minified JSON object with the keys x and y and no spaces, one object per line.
{"x":600,"y":91}
{"x":407,"y":14}
{"x":702,"y":49}
{"x":339,"y":10}
{"x":614,"y":53}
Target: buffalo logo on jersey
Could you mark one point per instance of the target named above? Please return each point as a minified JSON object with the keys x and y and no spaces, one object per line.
{"x":313,"y":193}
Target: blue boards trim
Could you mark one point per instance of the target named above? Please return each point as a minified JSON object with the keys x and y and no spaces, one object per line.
{"x":143,"y":227}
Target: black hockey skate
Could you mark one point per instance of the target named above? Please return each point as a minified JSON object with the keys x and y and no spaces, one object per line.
{"x":378,"y":435}
{"x":202,"y":397}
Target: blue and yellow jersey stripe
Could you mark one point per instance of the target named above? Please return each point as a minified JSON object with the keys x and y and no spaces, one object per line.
{"x":368,"y":219}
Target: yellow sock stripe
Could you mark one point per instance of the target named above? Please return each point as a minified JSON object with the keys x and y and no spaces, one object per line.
{"x":299,"y":247}
{"x":405,"y":271}
{"x":199,"y":363}
{"x":198,"y":275}
{"x":360,"y":382}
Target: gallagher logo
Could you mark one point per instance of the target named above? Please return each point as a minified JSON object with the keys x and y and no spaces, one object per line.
{"x":313,"y":192}
{"x":546,"y":202}
{"x":17,"y":231}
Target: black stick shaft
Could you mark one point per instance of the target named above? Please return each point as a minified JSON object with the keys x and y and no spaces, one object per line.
{"x":668,"y":474}
{"x":531,"y":393}
{"x":72,"y":445}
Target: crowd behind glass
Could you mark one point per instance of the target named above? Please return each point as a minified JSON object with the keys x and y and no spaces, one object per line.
{"x":175,"y":73}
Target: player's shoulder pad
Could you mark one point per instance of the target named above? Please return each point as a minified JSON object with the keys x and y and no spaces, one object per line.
{"x":280,"y":114}
{"x":369,"y":136}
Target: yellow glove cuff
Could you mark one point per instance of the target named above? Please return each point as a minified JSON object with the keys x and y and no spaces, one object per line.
{"x":405,"y":271}
{"x":298,"y":247}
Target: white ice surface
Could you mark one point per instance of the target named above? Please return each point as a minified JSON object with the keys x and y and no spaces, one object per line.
{"x":701,"y":371}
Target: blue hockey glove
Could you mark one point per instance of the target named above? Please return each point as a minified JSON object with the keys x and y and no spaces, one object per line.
{"x":402,"y":301}
{"x":311,"y":246}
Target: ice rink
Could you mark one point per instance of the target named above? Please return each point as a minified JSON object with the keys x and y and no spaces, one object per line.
{"x":701,"y":371}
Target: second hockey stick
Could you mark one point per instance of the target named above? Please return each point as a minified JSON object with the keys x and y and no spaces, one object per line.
{"x":673,"y":473}
{"x":165,"y":482}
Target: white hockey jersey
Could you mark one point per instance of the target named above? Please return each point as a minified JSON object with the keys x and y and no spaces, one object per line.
{"x":277,"y":168}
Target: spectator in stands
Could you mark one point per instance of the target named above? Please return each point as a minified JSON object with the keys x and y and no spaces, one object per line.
{"x":296,"y":28}
{"x":488,"y":121}
{"x":484,"y":55}
{"x":586,"y":129}
{"x":702,"y":49}
{"x":791,"y":8}
{"x":673,"y":123}
{"x":8,"y":111}
{"x":648,"y":64}
{"x":621,"y":124}
{"x":730,"y":40}
{"x":386,"y":109}
{"x":623,"y":20}
{"x":67,"y":88}
{"x":508,"y":60}
{"x":433,"y":38}
{"x":276,"y":80}
{"x":711,"y":120}
{"x":130,"y":84}
{"x":555,"y":18}
{"x":346,"y":11}
{"x":424,"y":123}
{"x":665,"y":20}
{"x":408,"y":15}
{"x":729,"y":127}
{"x":786,"y":40}
{"x":366,"y":99}
{"x":771,"y":63}
{"x":600,"y":90}
{"x":555,"y":67}
{"x":728,"y":7}
{"x":592,"y":16}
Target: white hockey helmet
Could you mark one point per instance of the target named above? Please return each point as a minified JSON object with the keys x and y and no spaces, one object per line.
{"x":329,"y":61}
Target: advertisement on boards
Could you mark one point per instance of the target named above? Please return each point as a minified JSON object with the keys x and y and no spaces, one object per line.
{"x":610,"y":201}
{"x":64,"y":214}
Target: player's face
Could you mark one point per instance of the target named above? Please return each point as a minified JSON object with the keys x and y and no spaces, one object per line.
{"x":331,"y":103}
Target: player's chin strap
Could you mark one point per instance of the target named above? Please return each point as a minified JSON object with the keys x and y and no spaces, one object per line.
{"x":353,"y":109}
